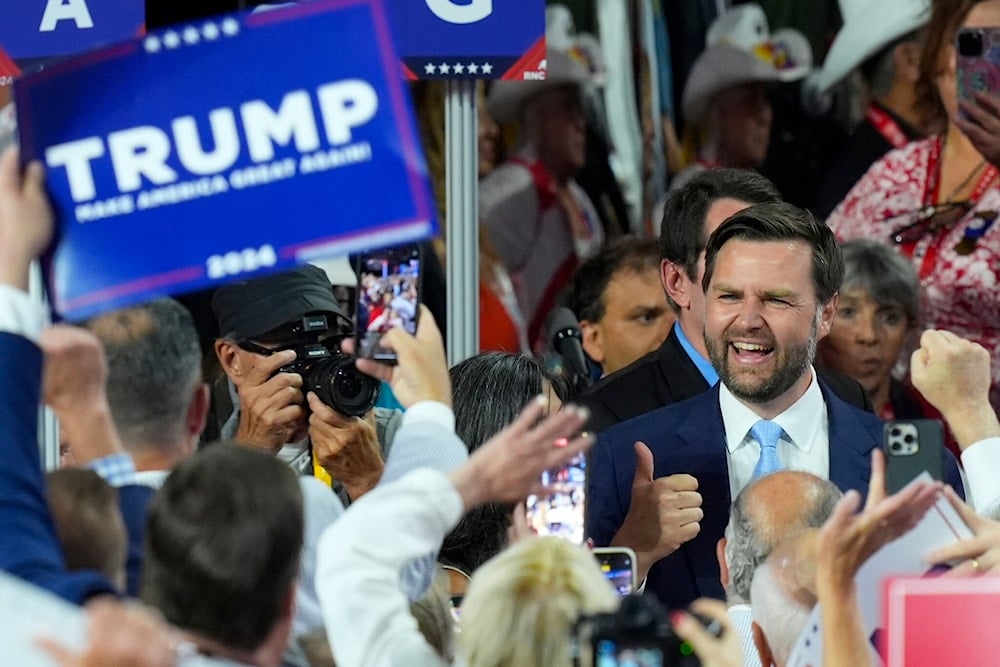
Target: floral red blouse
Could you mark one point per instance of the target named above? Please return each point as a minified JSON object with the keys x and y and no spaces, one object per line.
{"x":956,"y":252}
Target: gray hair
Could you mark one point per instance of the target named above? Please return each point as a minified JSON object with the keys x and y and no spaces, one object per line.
{"x":883,"y":273}
{"x":154,"y":364}
{"x":780,"y":616}
{"x":752,"y":532}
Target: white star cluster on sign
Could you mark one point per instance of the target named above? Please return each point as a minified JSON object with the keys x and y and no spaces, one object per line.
{"x":458,"y":68}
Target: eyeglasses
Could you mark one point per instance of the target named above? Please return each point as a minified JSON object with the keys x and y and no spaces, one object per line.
{"x":928,"y":220}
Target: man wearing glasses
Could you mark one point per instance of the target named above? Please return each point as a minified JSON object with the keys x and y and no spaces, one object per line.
{"x":293,"y":393}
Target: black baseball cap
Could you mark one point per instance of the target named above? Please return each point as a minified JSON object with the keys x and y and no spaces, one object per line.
{"x":251,"y":308}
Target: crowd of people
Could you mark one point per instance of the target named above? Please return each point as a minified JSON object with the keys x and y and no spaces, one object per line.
{"x":745,"y":363}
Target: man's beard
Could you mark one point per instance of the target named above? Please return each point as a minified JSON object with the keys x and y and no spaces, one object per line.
{"x":791,"y":364}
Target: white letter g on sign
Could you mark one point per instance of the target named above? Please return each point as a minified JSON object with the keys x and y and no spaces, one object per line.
{"x":448,"y":10}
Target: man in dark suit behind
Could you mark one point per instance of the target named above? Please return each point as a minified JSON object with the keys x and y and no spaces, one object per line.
{"x":770,"y":283}
{"x":680,"y":368}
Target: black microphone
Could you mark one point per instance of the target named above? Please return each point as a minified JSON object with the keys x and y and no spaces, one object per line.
{"x":568,"y":342}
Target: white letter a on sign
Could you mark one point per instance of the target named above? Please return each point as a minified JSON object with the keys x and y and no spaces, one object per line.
{"x":448,"y":10}
{"x":63,"y":10}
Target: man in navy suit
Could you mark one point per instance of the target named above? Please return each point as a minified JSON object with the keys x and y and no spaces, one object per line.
{"x":662,"y":483}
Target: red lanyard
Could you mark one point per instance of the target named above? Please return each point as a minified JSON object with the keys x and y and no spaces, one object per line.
{"x":931,"y":194}
{"x":886,"y":126}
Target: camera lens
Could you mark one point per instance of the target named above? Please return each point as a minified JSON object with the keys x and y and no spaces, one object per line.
{"x":342,"y":386}
{"x":970,"y":43}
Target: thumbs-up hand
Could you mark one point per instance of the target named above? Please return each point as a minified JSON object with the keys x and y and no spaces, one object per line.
{"x":664,"y":513}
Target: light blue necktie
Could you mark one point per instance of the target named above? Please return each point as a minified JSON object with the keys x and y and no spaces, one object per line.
{"x":767,"y":434}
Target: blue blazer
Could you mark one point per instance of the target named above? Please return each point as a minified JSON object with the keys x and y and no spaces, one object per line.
{"x":29,"y":547}
{"x":689,"y":437}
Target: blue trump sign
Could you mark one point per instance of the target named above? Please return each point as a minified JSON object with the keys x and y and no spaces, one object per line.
{"x":226,"y":147}
{"x":477,"y":39}
{"x":43,"y":28}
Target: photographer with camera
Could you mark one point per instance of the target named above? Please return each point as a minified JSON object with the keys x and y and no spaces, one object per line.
{"x":293,"y":391}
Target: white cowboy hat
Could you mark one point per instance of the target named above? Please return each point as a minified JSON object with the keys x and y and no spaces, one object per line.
{"x":507,"y":99}
{"x":741,"y":49}
{"x":869,"y":25}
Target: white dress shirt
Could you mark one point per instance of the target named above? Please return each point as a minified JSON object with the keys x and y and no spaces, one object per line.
{"x":804,"y":446}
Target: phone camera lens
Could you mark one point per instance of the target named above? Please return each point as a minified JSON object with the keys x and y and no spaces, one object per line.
{"x":896,"y":447}
{"x":970,"y":43}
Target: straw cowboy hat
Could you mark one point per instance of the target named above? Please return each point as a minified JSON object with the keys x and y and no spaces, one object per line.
{"x":573,"y":59}
{"x":869,"y":26}
{"x":741,"y":49}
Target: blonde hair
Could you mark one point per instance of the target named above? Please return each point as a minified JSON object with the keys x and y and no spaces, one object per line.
{"x":521,"y":605}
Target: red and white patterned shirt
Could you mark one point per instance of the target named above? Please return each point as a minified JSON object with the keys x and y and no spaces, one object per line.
{"x":961,"y":281}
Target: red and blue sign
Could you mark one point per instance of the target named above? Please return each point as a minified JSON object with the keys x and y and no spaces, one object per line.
{"x":470,"y":39}
{"x":223,"y":148}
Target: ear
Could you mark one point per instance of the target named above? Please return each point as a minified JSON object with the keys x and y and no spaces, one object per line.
{"x":763,"y":648}
{"x":228,"y":354}
{"x":593,"y":340}
{"x":198,"y":411}
{"x":720,"y":555}
{"x":906,"y":60}
{"x":676,"y":283}
{"x":827,"y":314}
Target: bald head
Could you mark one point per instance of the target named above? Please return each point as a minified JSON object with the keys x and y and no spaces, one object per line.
{"x":765,"y":513}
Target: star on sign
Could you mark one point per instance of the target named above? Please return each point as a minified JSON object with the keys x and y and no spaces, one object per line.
{"x":459,"y":68}
{"x":444,"y":68}
{"x":171,"y":40}
{"x":473,"y":68}
{"x":429,"y":68}
{"x":210,"y":31}
{"x":191,"y":35}
{"x":487,"y":68}
{"x":230,"y":26}
{"x":152,"y":44}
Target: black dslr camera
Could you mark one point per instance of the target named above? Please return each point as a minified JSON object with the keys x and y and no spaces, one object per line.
{"x":638,"y":633}
{"x":330,"y":373}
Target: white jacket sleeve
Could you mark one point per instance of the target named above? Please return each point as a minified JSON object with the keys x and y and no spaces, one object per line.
{"x":366,"y":614}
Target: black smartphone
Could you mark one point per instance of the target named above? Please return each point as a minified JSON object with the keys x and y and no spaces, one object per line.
{"x":977,"y":66}
{"x":911,"y":447}
{"x":388,"y":296}
{"x":618,"y":565}
{"x":562,"y":512}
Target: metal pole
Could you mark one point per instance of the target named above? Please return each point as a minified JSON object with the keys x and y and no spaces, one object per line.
{"x":462,"y":224}
{"x":48,"y":426}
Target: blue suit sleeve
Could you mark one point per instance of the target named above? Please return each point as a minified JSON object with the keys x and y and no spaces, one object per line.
{"x":29,"y":547}
{"x":605,"y":508}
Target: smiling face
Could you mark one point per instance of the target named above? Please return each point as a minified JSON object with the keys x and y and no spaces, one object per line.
{"x":763,"y":321}
{"x":866,"y":339}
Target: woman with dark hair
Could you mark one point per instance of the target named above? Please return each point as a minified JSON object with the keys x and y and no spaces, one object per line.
{"x":489,"y":391}
{"x":938,"y":199}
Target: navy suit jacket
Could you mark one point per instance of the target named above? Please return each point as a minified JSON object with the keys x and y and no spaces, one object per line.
{"x":29,"y":547}
{"x":689,"y":437}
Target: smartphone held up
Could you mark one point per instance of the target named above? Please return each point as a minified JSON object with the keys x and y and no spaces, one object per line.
{"x":388,"y":296}
{"x":562,"y":512}
{"x":977,"y":62}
